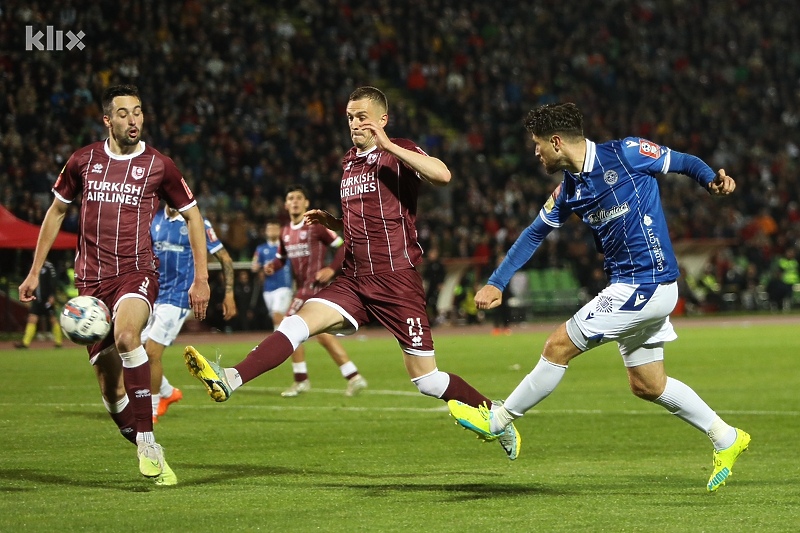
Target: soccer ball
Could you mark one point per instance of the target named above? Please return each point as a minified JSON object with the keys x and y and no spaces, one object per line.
{"x":85,"y":320}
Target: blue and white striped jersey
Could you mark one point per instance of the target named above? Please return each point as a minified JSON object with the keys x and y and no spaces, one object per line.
{"x":282,"y":278}
{"x":616,"y":194}
{"x":176,"y":263}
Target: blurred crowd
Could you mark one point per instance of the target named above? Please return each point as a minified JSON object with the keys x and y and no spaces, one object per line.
{"x":248,"y":97}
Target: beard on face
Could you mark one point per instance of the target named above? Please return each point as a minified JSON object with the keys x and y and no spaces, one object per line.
{"x":122,"y":137}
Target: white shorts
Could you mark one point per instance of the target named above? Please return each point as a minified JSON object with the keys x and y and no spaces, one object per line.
{"x":278,"y":301}
{"x":165,"y":323}
{"x":635,"y":316}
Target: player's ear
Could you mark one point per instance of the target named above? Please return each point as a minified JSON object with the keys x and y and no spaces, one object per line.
{"x":384,"y":120}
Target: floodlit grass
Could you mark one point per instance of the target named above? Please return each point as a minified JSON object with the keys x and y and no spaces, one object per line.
{"x":594,"y":458}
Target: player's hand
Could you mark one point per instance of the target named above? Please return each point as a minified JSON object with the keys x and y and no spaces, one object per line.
{"x":319,"y":216}
{"x":488,"y":297}
{"x":269,"y":269}
{"x":324,"y":275}
{"x":722,"y":184}
{"x":199,"y":294}
{"x":27,"y":289}
{"x":381,"y":139}
{"x":228,"y":306}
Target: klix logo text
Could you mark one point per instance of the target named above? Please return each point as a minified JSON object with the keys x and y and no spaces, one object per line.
{"x":53,"y":39}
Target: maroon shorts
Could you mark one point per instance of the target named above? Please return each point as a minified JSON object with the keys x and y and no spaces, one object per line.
{"x":396,"y":300}
{"x":138,"y":284}
{"x":300,"y":298}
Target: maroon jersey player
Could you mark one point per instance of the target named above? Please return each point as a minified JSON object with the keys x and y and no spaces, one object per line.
{"x":380,"y":181}
{"x":119,"y":182}
{"x":306,"y":247}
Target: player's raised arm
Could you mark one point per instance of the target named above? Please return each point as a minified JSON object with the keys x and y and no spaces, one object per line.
{"x":47,"y":236}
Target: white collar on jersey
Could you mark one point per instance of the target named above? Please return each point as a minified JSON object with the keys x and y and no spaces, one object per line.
{"x":112,"y":155}
{"x":588,"y":161}
{"x":362,"y":154}
{"x":298,"y":225}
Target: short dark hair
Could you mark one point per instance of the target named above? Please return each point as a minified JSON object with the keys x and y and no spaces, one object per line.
{"x":297,"y":188}
{"x":372,"y":93}
{"x":113,"y":91}
{"x":565,"y":119}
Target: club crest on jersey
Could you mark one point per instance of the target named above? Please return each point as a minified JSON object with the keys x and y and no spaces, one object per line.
{"x":647,"y":220}
{"x":97,"y":168}
{"x":184,"y":230}
{"x":137,"y":173}
{"x":649,"y":149}
{"x":610,"y":177}
{"x":303,"y":235}
{"x":371,"y":158}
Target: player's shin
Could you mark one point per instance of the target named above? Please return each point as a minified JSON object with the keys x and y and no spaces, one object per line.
{"x":136,"y":375}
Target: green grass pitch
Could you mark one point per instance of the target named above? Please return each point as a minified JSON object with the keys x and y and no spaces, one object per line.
{"x":594,"y":457}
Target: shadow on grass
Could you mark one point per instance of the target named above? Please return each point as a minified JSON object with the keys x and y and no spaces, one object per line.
{"x":28,"y":479}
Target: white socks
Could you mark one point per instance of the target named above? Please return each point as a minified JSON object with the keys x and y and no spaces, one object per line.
{"x":300,"y":368}
{"x":680,"y":400}
{"x":533,"y":388}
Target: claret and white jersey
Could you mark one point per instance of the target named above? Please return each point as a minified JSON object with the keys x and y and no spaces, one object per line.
{"x":119,"y":196}
{"x":379,"y":211}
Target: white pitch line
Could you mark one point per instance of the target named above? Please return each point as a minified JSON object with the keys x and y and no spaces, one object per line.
{"x":286,"y":404}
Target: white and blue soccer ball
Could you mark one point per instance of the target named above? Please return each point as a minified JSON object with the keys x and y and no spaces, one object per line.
{"x":85,"y":320}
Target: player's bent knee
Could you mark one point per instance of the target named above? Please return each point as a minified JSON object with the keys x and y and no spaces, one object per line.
{"x":295,"y":329}
{"x":433,"y":384}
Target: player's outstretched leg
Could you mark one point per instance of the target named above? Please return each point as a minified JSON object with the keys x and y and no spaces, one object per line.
{"x":479,"y":419}
{"x":211,"y":374}
{"x":725,"y":459}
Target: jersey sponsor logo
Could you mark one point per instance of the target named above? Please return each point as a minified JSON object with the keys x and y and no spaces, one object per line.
{"x":602,"y":216}
{"x":164,"y":246}
{"x":610,"y":177}
{"x":640,"y":299}
{"x":361,"y":184}
{"x":649,"y":149}
{"x":137,"y":173}
{"x":298,"y":250}
{"x":551,"y":202}
{"x":655,"y":245}
{"x":97,"y":168}
{"x":118,"y":193}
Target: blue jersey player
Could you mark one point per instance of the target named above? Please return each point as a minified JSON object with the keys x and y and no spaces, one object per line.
{"x":175,"y":276}
{"x":612,"y":187}
{"x":277,"y":290}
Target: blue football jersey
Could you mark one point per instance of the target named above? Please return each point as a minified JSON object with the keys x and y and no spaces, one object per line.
{"x":282,"y":278}
{"x":616,"y":194}
{"x":176,"y":263}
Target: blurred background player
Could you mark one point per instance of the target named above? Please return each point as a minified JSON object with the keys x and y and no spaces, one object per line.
{"x":277,"y":287}
{"x":119,"y":182}
{"x":43,"y":307}
{"x":175,"y":275}
{"x":306,"y":249}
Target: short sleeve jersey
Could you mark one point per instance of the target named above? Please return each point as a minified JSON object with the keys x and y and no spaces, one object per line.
{"x":175,"y":258}
{"x":379,"y":210}
{"x":617,"y":195}
{"x":119,"y":197}
{"x":306,"y":247}
{"x":265,"y":253}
